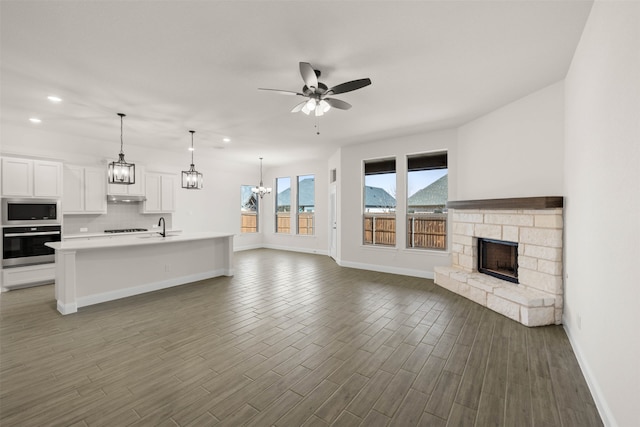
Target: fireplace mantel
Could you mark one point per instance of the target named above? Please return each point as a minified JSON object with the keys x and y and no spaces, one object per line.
{"x":544,"y":202}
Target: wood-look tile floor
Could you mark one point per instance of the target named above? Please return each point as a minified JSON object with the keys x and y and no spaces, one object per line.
{"x":292,"y":339}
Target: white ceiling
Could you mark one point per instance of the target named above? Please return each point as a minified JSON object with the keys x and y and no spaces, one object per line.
{"x":172,"y":66}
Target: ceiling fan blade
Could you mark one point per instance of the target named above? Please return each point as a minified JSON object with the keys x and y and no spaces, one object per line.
{"x":299,"y":107}
{"x":338,"y":103}
{"x":308,"y":75}
{"x":283,"y":92}
{"x":349,"y":86}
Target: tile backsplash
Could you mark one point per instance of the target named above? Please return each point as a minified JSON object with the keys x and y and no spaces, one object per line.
{"x":118,"y":216}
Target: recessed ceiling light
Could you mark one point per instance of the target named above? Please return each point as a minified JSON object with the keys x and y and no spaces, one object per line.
{"x":191,"y":149}
{"x":226,"y":140}
{"x":35,"y":120}
{"x":54,"y":98}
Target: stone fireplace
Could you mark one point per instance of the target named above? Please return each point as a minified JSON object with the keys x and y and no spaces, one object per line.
{"x":521,"y":242}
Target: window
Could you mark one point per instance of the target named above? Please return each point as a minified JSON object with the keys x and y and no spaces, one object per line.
{"x":248,"y":210}
{"x":379,"y":219}
{"x":306,"y":203}
{"x":427,"y":190}
{"x":283,"y":205}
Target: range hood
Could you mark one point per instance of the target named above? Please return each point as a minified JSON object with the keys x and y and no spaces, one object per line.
{"x":123,"y":198}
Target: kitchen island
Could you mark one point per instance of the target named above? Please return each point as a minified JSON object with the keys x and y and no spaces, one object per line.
{"x":94,"y":271}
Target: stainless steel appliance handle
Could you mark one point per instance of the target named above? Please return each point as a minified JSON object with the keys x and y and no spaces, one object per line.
{"x":39,"y":233}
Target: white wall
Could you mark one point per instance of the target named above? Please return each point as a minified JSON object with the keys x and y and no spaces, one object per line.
{"x":602,"y":231}
{"x":514,"y":151}
{"x":318,"y":243}
{"x":352,"y":252}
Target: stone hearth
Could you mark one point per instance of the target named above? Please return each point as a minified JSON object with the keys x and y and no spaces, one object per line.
{"x":538,"y":298}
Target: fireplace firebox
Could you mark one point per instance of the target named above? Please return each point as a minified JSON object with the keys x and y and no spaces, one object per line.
{"x":498,"y":258}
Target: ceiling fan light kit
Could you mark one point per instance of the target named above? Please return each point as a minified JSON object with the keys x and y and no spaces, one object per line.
{"x":318,"y":93}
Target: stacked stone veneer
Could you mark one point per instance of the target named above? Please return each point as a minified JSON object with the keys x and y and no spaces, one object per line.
{"x":537,"y":300}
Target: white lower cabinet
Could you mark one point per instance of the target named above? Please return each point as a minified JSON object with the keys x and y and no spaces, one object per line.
{"x":30,"y":275}
{"x":160,"y":192}
{"x":85,"y":190}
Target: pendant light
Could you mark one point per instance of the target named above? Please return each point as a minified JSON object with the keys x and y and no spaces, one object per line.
{"x":192,"y":179}
{"x":121,"y":172}
{"x":261,"y":190}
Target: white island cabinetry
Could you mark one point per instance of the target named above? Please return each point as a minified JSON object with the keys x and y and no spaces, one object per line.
{"x":160,"y":189}
{"x":85,"y":190}
{"x":94,"y":271}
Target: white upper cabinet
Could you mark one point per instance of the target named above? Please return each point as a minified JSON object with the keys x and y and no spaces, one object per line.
{"x":136,"y":189}
{"x":31,"y":178}
{"x":160,"y":193}
{"x":85,"y":190}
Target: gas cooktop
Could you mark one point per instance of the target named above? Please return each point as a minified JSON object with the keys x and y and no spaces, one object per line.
{"x":126,"y":230}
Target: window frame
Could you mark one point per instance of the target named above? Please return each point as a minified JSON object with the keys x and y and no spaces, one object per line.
{"x":280,"y":217}
{"x":430,"y":229}
{"x":243,"y":213}
{"x":299,"y":212}
{"x":379,"y":228}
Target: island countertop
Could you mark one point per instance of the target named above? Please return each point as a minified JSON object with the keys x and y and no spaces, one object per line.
{"x":99,"y":270}
{"x":134,"y":240}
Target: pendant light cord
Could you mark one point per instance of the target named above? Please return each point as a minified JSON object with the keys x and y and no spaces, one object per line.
{"x":121,"y":127}
{"x":192,"y":132}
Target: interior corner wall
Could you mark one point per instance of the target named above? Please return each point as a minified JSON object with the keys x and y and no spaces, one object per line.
{"x":318,"y":242}
{"x":602,"y":208}
{"x":399,"y":259}
{"x":514,"y":151}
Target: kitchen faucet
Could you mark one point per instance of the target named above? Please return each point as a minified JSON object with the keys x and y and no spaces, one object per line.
{"x":164,"y":228}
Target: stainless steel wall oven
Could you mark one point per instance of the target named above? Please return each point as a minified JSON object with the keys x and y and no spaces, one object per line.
{"x":27,"y":224}
{"x":25,"y":245}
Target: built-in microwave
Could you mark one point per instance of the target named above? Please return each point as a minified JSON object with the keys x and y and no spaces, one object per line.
{"x":30,"y":211}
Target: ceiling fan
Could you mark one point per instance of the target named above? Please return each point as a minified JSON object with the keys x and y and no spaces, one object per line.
{"x":318,"y":93}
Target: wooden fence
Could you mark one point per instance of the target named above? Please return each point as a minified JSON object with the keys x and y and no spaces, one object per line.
{"x":283,"y":222}
{"x":380,"y":229}
{"x":248,"y":222}
{"x":426,"y":231}
{"x":305,"y":223}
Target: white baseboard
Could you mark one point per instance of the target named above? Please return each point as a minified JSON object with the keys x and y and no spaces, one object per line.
{"x":594,"y":387}
{"x":148,"y":287}
{"x":387,"y":269}
{"x":67,"y":308}
{"x":247,"y":247}
{"x":291,"y":249}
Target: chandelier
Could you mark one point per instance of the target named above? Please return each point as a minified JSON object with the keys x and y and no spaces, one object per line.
{"x":121,"y":172}
{"x":192,"y":179}
{"x":261,"y":190}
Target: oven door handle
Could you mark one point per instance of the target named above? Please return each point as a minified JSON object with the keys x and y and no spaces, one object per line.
{"x":38,"y":233}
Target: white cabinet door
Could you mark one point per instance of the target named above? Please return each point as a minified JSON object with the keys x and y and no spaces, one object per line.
{"x":17,"y":177}
{"x":47,"y":179}
{"x":167,"y":186}
{"x":160,"y":193}
{"x":73,"y":195}
{"x":85,"y":190}
{"x":153,"y":193}
{"x":95,"y":190}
